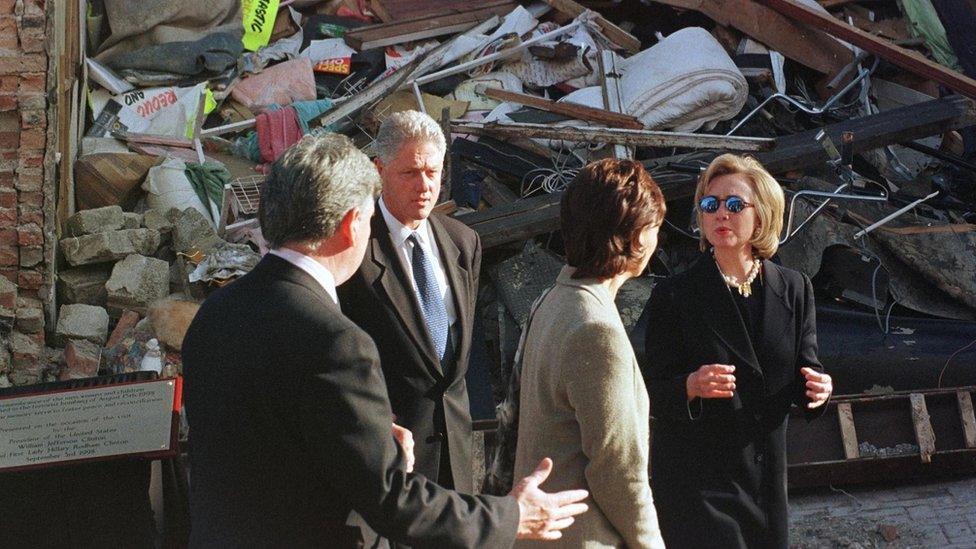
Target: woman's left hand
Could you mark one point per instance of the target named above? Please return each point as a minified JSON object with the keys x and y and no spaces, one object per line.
{"x":819,"y":386}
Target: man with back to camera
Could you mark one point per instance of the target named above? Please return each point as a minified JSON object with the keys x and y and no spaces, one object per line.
{"x":415,"y":295}
{"x":286,"y":401}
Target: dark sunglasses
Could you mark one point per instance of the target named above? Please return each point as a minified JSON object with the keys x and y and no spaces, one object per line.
{"x":734,"y":204}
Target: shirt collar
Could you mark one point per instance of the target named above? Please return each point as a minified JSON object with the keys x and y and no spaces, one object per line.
{"x":316,"y":270}
{"x":400,"y":232}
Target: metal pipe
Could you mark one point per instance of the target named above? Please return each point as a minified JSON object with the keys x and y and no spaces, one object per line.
{"x":826,"y":106}
{"x":888,"y":218}
{"x":829,"y":196}
{"x":497,"y":55}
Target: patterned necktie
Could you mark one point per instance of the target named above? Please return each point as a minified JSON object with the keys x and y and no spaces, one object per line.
{"x":429,"y":294}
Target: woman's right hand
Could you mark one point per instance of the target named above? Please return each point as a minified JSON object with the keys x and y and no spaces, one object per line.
{"x":711,"y":381}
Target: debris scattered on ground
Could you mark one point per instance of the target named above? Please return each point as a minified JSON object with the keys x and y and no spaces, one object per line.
{"x":820,"y":530}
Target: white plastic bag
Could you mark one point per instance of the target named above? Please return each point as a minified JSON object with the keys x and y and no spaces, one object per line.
{"x":167,"y":187}
{"x":159,"y":111}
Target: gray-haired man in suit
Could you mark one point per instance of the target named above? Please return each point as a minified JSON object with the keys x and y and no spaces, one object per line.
{"x":287,"y":407}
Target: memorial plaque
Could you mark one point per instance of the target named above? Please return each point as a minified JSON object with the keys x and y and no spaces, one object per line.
{"x":138,"y":418}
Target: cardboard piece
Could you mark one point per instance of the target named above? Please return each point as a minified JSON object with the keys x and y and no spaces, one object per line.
{"x":107,"y":179}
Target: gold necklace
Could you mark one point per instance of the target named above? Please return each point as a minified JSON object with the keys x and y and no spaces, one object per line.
{"x":745,"y":287}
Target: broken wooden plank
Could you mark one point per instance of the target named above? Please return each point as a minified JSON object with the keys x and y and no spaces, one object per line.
{"x":447,"y":207}
{"x":391,"y":11}
{"x":801,"y":150}
{"x":809,"y":47}
{"x":577,"y":111}
{"x":379,"y":89}
{"x":498,"y":55}
{"x":637,"y":138}
{"x":923,"y":427}
{"x":529,"y":217}
{"x":828,"y":4}
{"x":428,"y":26}
{"x":613,"y":33}
{"x":499,"y":156}
{"x":519,"y":220}
{"x":186,"y":155}
{"x":967,"y":418}
{"x":816,"y":456}
{"x":848,"y":433}
{"x":496,"y":193}
{"x":905,"y":59}
{"x":153,"y":139}
{"x":375,"y":92}
{"x":613,"y":96}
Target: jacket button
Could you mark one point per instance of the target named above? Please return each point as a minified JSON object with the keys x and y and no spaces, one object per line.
{"x":759,"y":457}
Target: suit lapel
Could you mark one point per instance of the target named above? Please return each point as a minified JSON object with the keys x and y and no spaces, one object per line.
{"x":387,"y":275}
{"x":721,"y":314}
{"x":457,"y":277}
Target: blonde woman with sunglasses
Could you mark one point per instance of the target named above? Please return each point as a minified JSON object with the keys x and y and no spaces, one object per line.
{"x":731,"y":345}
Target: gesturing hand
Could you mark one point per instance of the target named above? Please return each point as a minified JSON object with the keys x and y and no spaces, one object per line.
{"x":542,"y":515}
{"x":819,"y":386}
{"x":711,"y":381}
{"x":404,"y":438}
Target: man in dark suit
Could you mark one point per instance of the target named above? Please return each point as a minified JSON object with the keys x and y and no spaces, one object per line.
{"x":415,"y":295}
{"x":288,"y":412}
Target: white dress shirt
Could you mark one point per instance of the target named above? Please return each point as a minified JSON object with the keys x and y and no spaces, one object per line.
{"x":316,"y":270}
{"x":404,"y":248}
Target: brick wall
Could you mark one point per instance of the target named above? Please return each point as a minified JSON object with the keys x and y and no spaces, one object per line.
{"x":23,"y":136}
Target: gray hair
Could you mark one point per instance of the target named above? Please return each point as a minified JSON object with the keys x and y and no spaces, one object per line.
{"x":312,"y":186}
{"x":407,"y":126}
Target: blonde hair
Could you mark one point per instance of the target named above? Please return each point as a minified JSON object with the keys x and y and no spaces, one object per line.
{"x":769,"y":200}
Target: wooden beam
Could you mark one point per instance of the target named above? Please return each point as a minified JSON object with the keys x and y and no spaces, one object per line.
{"x":577,"y":111}
{"x":495,"y":193}
{"x":499,"y":156}
{"x":905,"y":59}
{"x":391,"y":11}
{"x":828,"y":4}
{"x":519,"y":220}
{"x":967,"y":418}
{"x":809,"y":47}
{"x":848,"y":434}
{"x":375,"y":92}
{"x":923,"y":427}
{"x":613,"y":33}
{"x":801,"y":150}
{"x":637,"y":138}
{"x":529,"y":217}
{"x":382,"y":88}
{"x":387,"y":34}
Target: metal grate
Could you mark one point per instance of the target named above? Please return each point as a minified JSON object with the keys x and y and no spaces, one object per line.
{"x":247,"y":194}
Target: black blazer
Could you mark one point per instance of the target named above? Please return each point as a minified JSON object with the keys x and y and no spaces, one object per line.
{"x":290,"y":429}
{"x":719,"y":465}
{"x":380,"y":299}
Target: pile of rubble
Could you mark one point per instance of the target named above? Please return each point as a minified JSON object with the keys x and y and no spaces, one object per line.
{"x":859,"y":107}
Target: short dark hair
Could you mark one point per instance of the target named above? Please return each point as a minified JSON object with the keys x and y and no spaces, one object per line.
{"x":312,"y":186}
{"x":602,"y":214}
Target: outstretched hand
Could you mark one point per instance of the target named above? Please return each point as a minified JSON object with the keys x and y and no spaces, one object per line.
{"x":543,"y":516}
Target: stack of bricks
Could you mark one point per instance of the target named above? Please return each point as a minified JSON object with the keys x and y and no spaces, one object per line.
{"x":23,"y":131}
